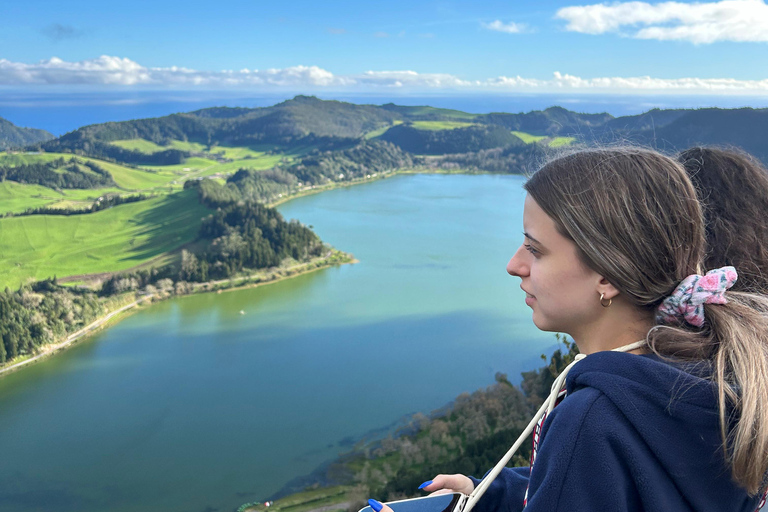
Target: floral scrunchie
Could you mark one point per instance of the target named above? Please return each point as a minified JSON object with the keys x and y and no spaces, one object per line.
{"x":687,"y":301}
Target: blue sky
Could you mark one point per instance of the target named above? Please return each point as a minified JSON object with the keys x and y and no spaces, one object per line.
{"x":493,"y":46}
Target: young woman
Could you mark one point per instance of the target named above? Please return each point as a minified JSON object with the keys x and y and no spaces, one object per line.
{"x":612,"y":255}
{"x":733,"y":190}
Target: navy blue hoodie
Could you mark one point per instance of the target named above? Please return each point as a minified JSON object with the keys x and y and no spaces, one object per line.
{"x":634,"y":433}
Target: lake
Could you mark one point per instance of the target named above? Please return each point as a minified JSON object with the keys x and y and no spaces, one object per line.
{"x":190,"y":405}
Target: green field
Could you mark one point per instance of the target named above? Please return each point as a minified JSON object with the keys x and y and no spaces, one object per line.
{"x":227,"y":152}
{"x":128,"y":178}
{"x":257,"y":164}
{"x":380,"y":131}
{"x":528,"y":138}
{"x":16,"y":159}
{"x":553,"y":142}
{"x":140,"y":145}
{"x":557,"y":142}
{"x":434,"y":111}
{"x":16,"y":197}
{"x":440,"y":125}
{"x":121,"y":237}
{"x":190,"y":164}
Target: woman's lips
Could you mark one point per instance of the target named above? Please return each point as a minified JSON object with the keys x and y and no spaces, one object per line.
{"x":529,"y":299}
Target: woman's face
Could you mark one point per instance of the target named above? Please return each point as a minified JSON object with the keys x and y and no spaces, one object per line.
{"x":560,"y":289}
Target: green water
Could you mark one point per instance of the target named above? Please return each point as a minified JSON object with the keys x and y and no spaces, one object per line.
{"x":192,"y":406}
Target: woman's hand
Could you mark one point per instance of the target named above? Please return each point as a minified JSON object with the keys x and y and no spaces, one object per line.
{"x":442,"y":484}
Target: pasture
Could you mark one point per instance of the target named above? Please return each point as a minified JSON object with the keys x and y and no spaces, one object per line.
{"x":440,"y":125}
{"x":380,"y":131}
{"x":128,"y":178}
{"x":557,"y":142}
{"x":115,"y":239}
{"x":140,"y":145}
{"x":17,"y":197}
{"x":553,"y":142}
{"x":528,"y":138}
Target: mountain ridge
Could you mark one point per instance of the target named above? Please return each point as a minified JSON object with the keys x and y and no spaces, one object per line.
{"x":12,"y":136}
{"x":327,"y":123}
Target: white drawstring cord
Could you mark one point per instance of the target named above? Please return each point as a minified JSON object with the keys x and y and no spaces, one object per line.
{"x":547,"y":406}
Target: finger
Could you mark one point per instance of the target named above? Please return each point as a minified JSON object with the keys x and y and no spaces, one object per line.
{"x":450,"y":482}
{"x":457,"y":482}
{"x":378,"y":506}
{"x":441,"y":491}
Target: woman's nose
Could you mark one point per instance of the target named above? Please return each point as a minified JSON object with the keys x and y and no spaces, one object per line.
{"x":518,"y":266}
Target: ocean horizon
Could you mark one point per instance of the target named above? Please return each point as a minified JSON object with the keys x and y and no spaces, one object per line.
{"x":63,"y":112}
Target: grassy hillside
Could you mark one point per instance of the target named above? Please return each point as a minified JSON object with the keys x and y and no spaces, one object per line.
{"x":527,"y":137}
{"x":17,"y":197}
{"x":457,"y":139}
{"x":302,"y":144}
{"x":427,"y":113}
{"x":439,"y":125}
{"x":128,"y":178}
{"x":553,"y":142}
{"x":114,"y":239}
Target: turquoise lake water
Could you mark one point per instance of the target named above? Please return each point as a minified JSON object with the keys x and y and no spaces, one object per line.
{"x":192,"y":406}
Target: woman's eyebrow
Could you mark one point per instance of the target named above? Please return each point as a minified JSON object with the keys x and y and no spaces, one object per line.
{"x":529,"y":237}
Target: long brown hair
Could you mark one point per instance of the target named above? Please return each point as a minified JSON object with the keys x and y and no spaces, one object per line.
{"x":733,"y":190}
{"x":635,"y":218}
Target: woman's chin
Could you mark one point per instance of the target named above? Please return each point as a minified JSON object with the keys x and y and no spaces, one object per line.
{"x":543,"y":325}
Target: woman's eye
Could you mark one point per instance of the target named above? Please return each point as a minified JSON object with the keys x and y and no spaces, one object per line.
{"x":531,"y":249}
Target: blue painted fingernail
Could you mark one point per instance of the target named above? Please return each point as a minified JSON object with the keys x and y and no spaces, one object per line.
{"x":375,"y":505}
{"x":428,"y":482}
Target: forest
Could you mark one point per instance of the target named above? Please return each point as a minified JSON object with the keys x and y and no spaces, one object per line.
{"x":42,"y":313}
{"x":457,"y":140}
{"x":58,"y":173}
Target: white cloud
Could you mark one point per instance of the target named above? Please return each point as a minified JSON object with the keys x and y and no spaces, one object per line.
{"x":109,"y":71}
{"x":647,"y":83}
{"x":699,"y":23}
{"x":106,"y":70}
{"x":410,"y":79}
{"x":509,"y":28}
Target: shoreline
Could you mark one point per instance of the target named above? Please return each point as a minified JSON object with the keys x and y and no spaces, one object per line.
{"x":272,"y":275}
{"x":379,"y":176}
{"x":265,"y":277}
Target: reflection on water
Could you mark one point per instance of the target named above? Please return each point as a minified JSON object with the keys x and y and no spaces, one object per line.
{"x":190,"y":404}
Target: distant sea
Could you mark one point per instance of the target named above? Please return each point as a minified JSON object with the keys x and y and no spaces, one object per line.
{"x":66,"y":111}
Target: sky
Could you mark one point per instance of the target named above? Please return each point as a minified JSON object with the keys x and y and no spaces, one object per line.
{"x":406,"y":46}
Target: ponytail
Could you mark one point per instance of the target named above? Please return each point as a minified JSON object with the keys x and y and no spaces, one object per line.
{"x":735,"y":340}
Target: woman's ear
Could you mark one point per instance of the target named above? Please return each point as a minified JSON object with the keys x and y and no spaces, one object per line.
{"x":606,"y":289}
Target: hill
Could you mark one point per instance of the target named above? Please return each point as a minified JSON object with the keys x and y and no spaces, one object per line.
{"x":744,"y":128}
{"x":12,"y":136}
{"x":305,"y":123}
{"x":285,"y":122}
{"x":309,"y":122}
{"x":550,"y":122}
{"x":447,"y":141}
{"x":308,"y":142}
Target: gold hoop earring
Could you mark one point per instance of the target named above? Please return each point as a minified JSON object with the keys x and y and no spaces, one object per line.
{"x":602,"y":295}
